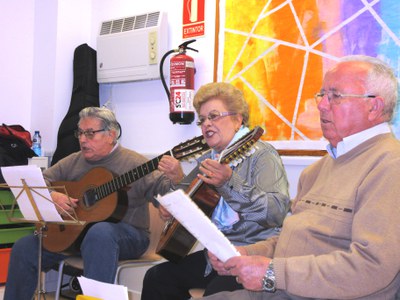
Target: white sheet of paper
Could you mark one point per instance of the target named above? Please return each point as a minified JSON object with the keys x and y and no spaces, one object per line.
{"x":198,"y":224}
{"x":105,"y":291}
{"x":34,"y":178}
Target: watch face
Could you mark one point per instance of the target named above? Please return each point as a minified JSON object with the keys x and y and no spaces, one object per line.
{"x":269,"y":279}
{"x":269,"y":284}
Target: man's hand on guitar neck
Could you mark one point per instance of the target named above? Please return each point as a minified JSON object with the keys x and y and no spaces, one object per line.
{"x":64,"y":204}
{"x":172,"y":168}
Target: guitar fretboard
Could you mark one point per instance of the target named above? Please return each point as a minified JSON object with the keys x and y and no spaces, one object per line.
{"x":127,"y":178}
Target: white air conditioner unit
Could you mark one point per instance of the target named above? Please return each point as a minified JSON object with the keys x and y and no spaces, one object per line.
{"x":131,"y":48}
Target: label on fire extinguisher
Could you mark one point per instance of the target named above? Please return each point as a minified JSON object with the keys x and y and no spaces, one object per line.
{"x":182,"y":73}
{"x":182,"y":100}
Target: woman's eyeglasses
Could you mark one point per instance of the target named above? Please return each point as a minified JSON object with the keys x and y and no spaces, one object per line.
{"x":214,"y":115}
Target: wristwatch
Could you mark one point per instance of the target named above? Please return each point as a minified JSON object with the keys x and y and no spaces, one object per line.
{"x":268,"y":282}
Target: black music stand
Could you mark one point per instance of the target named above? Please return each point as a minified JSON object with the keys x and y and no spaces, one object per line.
{"x":42,"y":223}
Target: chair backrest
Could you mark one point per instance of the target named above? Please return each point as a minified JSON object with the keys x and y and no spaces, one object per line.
{"x":156,"y":228}
{"x":149,"y":257}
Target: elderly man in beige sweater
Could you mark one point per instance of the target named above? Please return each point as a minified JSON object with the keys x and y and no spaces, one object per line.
{"x":343,"y":239}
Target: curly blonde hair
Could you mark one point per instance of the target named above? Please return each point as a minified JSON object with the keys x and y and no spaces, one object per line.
{"x":231,"y":96}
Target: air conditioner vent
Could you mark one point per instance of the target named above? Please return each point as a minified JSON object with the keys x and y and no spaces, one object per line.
{"x":105,"y":27}
{"x":128,"y":24}
{"x":140,"y":21}
{"x":117,"y":25}
{"x":152,"y":19}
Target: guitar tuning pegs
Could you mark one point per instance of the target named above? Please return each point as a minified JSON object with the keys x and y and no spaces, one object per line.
{"x":250,"y":152}
{"x":233,"y":163}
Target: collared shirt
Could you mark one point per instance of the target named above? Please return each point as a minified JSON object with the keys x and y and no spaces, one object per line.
{"x":115,"y":147}
{"x":356,"y":139}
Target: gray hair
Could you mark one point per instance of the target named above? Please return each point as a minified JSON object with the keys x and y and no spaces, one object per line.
{"x":381,"y":81}
{"x":106,"y":117}
{"x":231,"y":96}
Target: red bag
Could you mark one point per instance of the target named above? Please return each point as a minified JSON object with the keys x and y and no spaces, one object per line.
{"x":17,"y":131}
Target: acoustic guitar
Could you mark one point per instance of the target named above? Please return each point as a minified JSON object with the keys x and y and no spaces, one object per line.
{"x":176,"y":241}
{"x":102,"y":197}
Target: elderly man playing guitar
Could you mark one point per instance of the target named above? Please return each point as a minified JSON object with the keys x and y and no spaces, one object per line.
{"x":101,"y":244}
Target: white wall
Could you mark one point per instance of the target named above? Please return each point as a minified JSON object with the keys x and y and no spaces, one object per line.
{"x":39,"y":38}
{"x":16,"y":61}
{"x":59,"y":27}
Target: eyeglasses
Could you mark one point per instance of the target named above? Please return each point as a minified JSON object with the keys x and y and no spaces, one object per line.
{"x":214,"y":115}
{"x":336,"y":97}
{"x":89,"y":134}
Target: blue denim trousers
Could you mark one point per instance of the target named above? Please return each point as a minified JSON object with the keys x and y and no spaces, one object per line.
{"x":103,"y":245}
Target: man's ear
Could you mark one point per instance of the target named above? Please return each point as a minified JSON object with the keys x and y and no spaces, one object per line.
{"x":113,"y":135}
{"x":377,"y":108}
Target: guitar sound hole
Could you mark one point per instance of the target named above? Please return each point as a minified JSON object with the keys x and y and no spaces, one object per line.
{"x":89,"y":198}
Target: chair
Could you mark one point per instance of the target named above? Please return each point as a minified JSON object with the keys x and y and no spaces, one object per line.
{"x":148,"y":258}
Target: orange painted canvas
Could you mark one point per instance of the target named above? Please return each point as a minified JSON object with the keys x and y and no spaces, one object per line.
{"x":277,"y":51}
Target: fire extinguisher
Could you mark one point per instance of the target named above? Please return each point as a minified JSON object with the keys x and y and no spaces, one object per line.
{"x":181,"y":90}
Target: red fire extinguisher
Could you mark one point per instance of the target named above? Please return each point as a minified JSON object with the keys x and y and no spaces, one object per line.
{"x":181,"y":90}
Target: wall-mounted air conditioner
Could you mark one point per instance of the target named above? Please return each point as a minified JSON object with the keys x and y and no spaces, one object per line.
{"x":131,"y":48}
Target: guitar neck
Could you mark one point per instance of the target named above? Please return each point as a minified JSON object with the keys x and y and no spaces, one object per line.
{"x":127,"y":178}
{"x":181,"y":151}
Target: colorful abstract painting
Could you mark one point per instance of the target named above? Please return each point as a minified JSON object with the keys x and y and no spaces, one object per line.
{"x":277,"y":51}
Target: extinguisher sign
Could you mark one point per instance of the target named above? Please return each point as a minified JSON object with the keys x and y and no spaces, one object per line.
{"x":193,"y":18}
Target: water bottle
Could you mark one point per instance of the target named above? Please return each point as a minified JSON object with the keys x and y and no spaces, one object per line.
{"x":37,"y":143}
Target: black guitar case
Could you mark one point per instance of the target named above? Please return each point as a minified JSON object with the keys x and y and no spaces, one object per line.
{"x":85,"y":92}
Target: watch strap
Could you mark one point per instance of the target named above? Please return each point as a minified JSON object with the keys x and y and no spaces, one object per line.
{"x":268,"y":282}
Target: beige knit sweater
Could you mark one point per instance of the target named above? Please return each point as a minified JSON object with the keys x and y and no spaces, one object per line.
{"x":343,"y":239}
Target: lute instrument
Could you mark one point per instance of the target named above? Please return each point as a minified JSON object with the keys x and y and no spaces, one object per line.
{"x":176,"y":241}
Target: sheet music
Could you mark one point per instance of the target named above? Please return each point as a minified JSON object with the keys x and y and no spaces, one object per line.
{"x":34,"y":178}
{"x":198,"y":224}
{"x":104,"y":291}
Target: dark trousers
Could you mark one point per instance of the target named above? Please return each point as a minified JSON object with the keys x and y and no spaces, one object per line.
{"x":170,"y":281}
